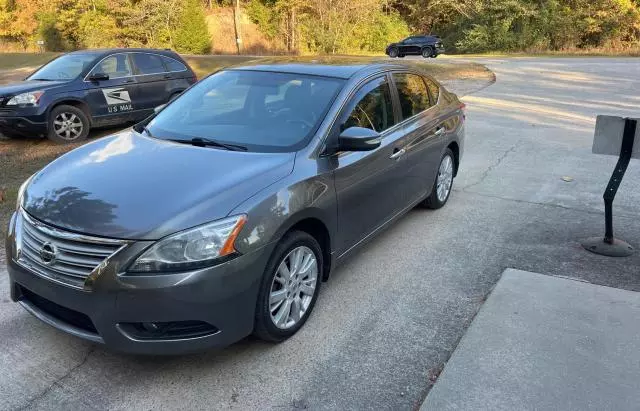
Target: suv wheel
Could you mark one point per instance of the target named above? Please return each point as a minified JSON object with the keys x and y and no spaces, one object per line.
{"x":289,"y":287}
{"x":393,"y":52}
{"x":427,"y":52}
{"x":67,"y":124}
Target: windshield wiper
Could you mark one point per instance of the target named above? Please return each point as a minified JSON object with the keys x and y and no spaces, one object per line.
{"x":207,"y":142}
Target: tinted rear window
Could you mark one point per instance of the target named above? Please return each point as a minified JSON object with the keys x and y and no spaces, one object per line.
{"x":412,"y":92}
{"x":173,"y":64}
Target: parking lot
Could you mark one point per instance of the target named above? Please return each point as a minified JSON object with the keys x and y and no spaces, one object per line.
{"x":391,"y":316}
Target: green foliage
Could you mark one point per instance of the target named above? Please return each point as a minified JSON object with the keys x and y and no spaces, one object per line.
{"x":49,"y":33}
{"x":327,"y":26}
{"x":266,"y":16}
{"x":192,"y":35}
{"x":528,"y":25}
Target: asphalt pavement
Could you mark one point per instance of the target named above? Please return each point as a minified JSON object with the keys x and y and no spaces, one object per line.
{"x":390,"y":318}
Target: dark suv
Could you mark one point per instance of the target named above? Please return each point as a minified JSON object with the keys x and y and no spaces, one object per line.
{"x":425,"y":46}
{"x":91,"y":88}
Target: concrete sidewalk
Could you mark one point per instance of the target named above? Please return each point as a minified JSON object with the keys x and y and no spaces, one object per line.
{"x":546,"y":343}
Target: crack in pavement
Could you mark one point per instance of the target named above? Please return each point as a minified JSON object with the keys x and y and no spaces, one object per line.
{"x":57,"y":381}
{"x":492,"y":167}
{"x":515,"y":200}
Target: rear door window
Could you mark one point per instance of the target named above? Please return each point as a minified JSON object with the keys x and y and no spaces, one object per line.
{"x":173,"y":64}
{"x":148,"y":63}
{"x":412,"y":93}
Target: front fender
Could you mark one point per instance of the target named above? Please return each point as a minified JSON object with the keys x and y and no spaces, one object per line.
{"x":273,"y":211}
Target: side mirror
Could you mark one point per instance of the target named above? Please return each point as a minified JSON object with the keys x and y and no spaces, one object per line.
{"x":159,"y":108}
{"x":359,"y":139}
{"x":98,"y":77}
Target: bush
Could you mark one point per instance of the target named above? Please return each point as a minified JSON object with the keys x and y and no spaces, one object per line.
{"x":192,"y":35}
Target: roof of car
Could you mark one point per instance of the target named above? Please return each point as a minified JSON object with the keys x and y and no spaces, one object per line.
{"x":339,"y":67}
{"x":98,"y":52}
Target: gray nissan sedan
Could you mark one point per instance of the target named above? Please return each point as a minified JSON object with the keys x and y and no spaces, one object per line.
{"x":221,"y":215}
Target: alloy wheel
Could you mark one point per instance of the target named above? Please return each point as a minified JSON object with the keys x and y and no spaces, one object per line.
{"x":293,"y":287}
{"x":67,"y":126}
{"x":445,"y":178}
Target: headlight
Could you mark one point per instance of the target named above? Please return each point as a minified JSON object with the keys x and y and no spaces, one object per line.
{"x":191,"y":249}
{"x":21,"y":191}
{"x":31,"y":98}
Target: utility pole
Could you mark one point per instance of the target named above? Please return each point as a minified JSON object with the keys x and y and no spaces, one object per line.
{"x":236,"y":25}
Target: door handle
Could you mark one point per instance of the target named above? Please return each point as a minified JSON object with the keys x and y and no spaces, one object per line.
{"x":127,"y":81}
{"x":397,"y":154}
{"x":440,"y":131}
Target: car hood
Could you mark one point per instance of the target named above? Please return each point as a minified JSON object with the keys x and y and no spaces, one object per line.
{"x":28,"y":85}
{"x":133,"y":187}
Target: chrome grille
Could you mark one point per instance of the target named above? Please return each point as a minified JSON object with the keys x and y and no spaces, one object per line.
{"x":59,"y":255}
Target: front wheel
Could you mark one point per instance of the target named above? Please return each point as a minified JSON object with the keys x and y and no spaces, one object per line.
{"x":444,"y":181}
{"x":289,"y":287}
{"x":67,"y":124}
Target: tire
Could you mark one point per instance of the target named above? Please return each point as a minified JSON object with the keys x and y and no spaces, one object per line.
{"x":74,"y":127}
{"x":268,"y":311}
{"x":394,"y":52}
{"x":427,"y":52}
{"x":401,"y":56}
{"x":437,"y":199}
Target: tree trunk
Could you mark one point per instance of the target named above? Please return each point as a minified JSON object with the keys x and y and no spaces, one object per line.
{"x":292,"y":45}
{"x":236,"y":24}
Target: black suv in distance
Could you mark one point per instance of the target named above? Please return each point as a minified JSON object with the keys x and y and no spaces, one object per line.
{"x":92,"y":88}
{"x":425,"y":46}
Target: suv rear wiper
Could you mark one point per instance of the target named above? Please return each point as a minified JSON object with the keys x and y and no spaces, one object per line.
{"x":207,"y":142}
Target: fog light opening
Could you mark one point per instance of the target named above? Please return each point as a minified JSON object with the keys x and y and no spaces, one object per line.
{"x":172,"y":330}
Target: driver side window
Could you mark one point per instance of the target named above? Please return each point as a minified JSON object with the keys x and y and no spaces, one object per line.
{"x":115,"y":66}
{"x":374,"y":110}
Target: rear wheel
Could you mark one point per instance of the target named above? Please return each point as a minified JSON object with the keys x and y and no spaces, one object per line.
{"x":289,"y":287}
{"x":393,"y":52}
{"x":427,"y":52}
{"x":443,"y":184}
{"x":67,"y":124}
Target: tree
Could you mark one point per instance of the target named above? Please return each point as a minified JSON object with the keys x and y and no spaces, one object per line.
{"x":192,"y":35}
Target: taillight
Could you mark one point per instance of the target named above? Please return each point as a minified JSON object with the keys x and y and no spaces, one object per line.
{"x":463,"y":107}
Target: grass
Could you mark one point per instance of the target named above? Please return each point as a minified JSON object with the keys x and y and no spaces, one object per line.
{"x":19,"y":158}
{"x":9,"y":61}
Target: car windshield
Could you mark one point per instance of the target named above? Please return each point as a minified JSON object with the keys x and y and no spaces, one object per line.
{"x":262,"y":111}
{"x":66,"y":67}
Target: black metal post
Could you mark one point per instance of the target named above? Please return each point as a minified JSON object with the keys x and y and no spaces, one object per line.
{"x":621,"y":167}
{"x":610,"y":246}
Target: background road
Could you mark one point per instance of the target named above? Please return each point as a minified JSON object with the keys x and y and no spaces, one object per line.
{"x":388,"y":319}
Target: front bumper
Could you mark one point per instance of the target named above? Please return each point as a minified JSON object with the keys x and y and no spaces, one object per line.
{"x":25,"y":121}
{"x":223,"y":297}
